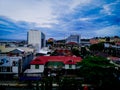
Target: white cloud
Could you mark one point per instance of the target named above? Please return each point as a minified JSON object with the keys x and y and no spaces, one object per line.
{"x":84,"y":19}
{"x":9,"y":30}
{"x":108,"y":8}
{"x":108,"y":31}
{"x":4,"y":23}
{"x":39,"y":11}
{"x":75,"y":3}
{"x":27,"y":10}
{"x":56,"y":17}
{"x":44,"y":25}
{"x":87,"y":18}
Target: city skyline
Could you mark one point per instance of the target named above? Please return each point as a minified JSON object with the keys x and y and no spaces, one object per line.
{"x":59,"y":18}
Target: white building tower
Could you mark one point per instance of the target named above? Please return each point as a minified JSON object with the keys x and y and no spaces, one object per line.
{"x":36,"y":38}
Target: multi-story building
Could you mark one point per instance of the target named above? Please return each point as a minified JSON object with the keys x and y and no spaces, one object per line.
{"x":36,"y":38}
{"x":73,"y":38}
{"x":13,"y":61}
{"x":85,"y":42}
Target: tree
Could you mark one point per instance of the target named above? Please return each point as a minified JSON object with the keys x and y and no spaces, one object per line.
{"x":107,"y":39}
{"x":76,"y":51}
{"x":97,"y":47}
{"x":68,"y":83}
{"x":84,"y":52}
{"x":98,"y":71}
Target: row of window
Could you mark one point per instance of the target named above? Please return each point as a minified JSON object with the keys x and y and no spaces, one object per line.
{"x":5,"y":69}
{"x":37,"y":66}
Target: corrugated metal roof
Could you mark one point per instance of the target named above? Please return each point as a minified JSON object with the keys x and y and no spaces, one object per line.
{"x":8,"y":49}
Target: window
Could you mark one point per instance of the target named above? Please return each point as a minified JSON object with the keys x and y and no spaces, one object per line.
{"x":0,"y":69}
{"x":15,"y":63}
{"x":70,"y":66}
{"x":36,"y":66}
{"x":4,"y":69}
{"x":8,"y":69}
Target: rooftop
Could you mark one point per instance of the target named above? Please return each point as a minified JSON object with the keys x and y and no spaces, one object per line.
{"x":64,"y":59}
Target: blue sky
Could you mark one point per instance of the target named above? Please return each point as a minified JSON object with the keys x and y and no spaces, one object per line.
{"x":59,"y":18}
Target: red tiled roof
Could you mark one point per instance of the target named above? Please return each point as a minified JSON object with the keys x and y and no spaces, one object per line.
{"x":64,"y":59}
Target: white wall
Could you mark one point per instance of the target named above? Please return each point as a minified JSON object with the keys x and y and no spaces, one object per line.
{"x":41,"y":67}
{"x":15,"y":69}
{"x":66,"y":66}
{"x":72,"y":67}
{"x":32,"y":66}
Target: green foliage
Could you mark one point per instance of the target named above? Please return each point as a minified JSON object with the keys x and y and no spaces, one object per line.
{"x":68,"y":83}
{"x":97,"y":70}
{"x":76,"y":51}
{"x":84,"y":52}
{"x":97,"y":47}
{"x":96,"y":61}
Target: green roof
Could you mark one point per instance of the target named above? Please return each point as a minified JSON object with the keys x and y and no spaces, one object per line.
{"x":58,"y":64}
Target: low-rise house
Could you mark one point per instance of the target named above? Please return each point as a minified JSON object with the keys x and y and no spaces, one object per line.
{"x":50,"y":65}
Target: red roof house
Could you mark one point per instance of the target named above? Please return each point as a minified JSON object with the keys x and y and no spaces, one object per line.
{"x":38,"y":65}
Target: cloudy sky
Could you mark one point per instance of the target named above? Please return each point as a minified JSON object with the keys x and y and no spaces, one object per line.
{"x":59,"y":18}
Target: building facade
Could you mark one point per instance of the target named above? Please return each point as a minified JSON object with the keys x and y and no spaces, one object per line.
{"x":14,"y":62}
{"x":73,"y":38}
{"x":36,"y":38}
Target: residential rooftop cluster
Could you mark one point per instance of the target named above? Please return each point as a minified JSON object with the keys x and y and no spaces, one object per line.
{"x":38,"y":57}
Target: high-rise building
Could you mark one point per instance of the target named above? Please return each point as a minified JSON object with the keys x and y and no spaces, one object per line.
{"x":36,"y":38}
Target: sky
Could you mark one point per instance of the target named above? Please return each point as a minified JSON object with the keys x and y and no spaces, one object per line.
{"x":59,"y":18}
